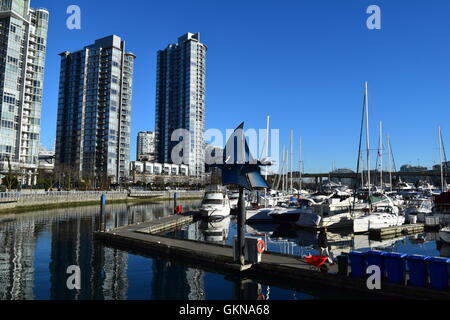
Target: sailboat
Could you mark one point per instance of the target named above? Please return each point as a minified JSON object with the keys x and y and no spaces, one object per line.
{"x":442,"y":202}
{"x":382,"y":213}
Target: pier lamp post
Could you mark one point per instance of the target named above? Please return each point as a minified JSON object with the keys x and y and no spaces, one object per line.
{"x":239,"y":168}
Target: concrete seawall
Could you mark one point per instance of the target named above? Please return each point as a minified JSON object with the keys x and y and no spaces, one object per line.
{"x":11,"y":201}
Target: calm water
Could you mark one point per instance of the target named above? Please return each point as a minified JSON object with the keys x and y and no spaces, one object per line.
{"x":37,"y":248}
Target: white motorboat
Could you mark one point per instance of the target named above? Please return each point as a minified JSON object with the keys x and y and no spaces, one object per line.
{"x":420,"y":208}
{"x":384,"y":215}
{"x":404,"y":186}
{"x":377,"y":220}
{"x":333,"y":212}
{"x":444,"y":234}
{"x":215,"y":205}
{"x":285,"y":214}
{"x":259,"y":216}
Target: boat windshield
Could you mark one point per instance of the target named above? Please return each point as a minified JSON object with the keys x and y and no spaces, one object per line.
{"x":212,"y":201}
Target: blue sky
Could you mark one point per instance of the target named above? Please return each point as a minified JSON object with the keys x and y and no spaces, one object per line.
{"x":303,"y":62}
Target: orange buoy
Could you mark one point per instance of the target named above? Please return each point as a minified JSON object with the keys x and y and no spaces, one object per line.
{"x":260,"y":246}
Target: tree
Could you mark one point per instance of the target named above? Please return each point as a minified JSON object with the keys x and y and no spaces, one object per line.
{"x":47,"y":179}
{"x":11,"y":180}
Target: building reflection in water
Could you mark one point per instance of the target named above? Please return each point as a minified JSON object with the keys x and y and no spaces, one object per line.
{"x":17,"y":246}
{"x":172,"y":281}
{"x":103,"y":270}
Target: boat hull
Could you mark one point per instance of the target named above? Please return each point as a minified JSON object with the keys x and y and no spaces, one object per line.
{"x":367,"y":223}
{"x":215,"y":213}
{"x":315,"y":221}
{"x":444,"y":236}
{"x":285,"y":217}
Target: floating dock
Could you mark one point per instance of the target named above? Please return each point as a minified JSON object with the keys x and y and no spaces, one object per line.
{"x":166,"y":223}
{"x":397,"y":231}
{"x":275,"y":269}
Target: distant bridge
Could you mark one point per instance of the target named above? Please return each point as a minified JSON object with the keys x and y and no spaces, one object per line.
{"x":352,"y":175}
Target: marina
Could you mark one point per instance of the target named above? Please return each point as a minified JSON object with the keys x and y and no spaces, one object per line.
{"x":203,"y":151}
{"x":277,"y":267}
{"x":34,"y":240}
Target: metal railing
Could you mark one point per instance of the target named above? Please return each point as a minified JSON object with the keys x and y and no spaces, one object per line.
{"x":16,"y":196}
{"x":47,"y":194}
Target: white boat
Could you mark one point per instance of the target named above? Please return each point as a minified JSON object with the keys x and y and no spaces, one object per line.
{"x":216,"y":231}
{"x":215,"y":205}
{"x":404,"y":186}
{"x":420,"y":208}
{"x":285,"y":214}
{"x":259,"y":216}
{"x":377,"y":220}
{"x":444,"y":234}
{"x":384,"y":215}
{"x":334,"y":212}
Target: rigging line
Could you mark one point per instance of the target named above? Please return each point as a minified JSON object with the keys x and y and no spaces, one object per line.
{"x":445,"y":155}
{"x":392,"y":155}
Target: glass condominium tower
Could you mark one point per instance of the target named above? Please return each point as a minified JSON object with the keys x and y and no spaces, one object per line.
{"x":180,"y":100}
{"x":23,"y":42}
{"x":94,"y":111}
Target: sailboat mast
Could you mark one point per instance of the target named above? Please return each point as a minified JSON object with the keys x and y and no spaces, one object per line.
{"x":440,"y":155}
{"x":362,"y":170}
{"x":267,"y":144}
{"x":381,"y":155}
{"x":301,"y":165}
{"x":367,"y":135}
{"x":291,"y":160}
{"x":286,"y":172}
{"x":390,"y":162}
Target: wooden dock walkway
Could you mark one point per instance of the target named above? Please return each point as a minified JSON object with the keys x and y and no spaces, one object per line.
{"x":281,"y":269}
{"x":166,"y":223}
{"x":397,"y":231}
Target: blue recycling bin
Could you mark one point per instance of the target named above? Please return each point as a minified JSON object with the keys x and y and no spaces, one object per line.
{"x":395,"y":266}
{"x":418,"y":274}
{"x":376,"y":258}
{"x":439,"y":273}
{"x":358,"y":264}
